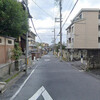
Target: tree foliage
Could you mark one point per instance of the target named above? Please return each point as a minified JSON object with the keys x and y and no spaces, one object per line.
{"x":13,"y":19}
{"x":17,"y":52}
{"x":58,"y":47}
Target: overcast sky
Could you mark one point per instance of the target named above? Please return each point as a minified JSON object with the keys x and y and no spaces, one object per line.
{"x":44,"y":18}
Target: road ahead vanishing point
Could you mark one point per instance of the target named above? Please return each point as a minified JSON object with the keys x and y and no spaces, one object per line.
{"x":55,"y":80}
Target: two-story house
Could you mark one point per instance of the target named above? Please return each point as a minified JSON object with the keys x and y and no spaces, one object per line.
{"x":31,"y":41}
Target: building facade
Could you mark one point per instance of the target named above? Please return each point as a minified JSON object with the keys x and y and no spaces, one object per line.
{"x":31,"y":41}
{"x":6,"y":45}
{"x":84,"y":31}
{"x":83,"y":36}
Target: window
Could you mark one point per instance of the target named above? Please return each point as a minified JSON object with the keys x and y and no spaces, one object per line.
{"x":72,"y":29}
{"x":99,"y":15}
{"x":69,"y":40}
{"x":80,"y":16}
{"x":98,"y":39}
{"x":9,"y":42}
{"x":0,"y":40}
{"x":99,"y":28}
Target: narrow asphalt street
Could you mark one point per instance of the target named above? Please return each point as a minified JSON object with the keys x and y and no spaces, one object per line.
{"x":55,"y":80}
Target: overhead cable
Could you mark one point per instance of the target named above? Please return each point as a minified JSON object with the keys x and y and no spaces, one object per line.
{"x":70,"y":13}
{"x":42,"y":9}
{"x":35,"y":30}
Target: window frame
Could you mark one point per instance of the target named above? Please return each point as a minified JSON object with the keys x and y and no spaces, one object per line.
{"x":10,"y":41}
{"x":0,"y":41}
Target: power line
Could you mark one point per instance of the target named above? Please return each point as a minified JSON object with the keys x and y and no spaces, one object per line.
{"x":68,"y":8}
{"x":68,"y":16}
{"x":70,"y":13}
{"x":42,"y":9}
{"x":35,"y":30}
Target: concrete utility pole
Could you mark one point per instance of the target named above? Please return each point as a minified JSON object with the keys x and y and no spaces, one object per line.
{"x":26,"y":2}
{"x":54,"y":40}
{"x":60,"y":4}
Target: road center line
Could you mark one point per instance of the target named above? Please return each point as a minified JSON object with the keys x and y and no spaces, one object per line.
{"x":12,"y":98}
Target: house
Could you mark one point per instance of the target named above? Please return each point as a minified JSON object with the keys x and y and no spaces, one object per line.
{"x":6,"y":45}
{"x":83,"y":35}
{"x":31,"y":41}
{"x":45,"y":48}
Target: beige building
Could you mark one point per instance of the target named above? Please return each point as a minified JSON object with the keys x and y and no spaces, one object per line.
{"x":84,"y":31}
{"x":83,"y":37}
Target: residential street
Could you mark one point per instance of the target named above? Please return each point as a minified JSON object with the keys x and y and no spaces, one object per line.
{"x":49,"y":50}
{"x":55,"y":80}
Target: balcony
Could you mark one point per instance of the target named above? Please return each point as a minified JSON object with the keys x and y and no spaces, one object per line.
{"x":32,"y":45}
{"x":70,"y":35}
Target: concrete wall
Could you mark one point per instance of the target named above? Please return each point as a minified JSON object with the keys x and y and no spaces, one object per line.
{"x":9,"y":68}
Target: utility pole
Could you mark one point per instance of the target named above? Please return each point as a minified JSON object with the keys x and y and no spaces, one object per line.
{"x":60,"y":4}
{"x":54,"y":41}
{"x":26,"y":2}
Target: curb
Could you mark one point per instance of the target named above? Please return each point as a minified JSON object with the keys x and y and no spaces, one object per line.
{"x":94,"y":75}
{"x":87,"y":72}
{"x":14,"y":80}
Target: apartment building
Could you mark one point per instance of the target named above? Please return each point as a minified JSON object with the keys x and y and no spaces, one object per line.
{"x":83,"y":34}
{"x":84,"y":31}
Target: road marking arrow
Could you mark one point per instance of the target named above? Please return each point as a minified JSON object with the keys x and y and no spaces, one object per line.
{"x":42,"y":91}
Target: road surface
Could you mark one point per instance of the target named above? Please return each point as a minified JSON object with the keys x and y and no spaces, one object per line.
{"x":55,"y":80}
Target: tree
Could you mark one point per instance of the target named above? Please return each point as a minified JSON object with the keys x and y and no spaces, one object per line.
{"x":17,"y":52}
{"x":13,"y":19}
{"x":58,"y":47}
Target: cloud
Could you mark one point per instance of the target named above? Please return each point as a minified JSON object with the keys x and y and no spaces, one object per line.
{"x":43,"y":21}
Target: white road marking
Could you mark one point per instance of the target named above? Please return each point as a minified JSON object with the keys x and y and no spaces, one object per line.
{"x":47,"y":60}
{"x":38,"y":93}
{"x":12,"y":98}
{"x":81,"y":70}
{"x":46,"y":95}
{"x":42,"y":91}
{"x":47,"y":56}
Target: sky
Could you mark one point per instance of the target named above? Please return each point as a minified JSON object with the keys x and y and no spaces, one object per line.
{"x":44,"y":13}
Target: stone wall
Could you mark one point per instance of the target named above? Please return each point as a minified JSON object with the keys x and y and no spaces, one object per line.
{"x":93,"y":58}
